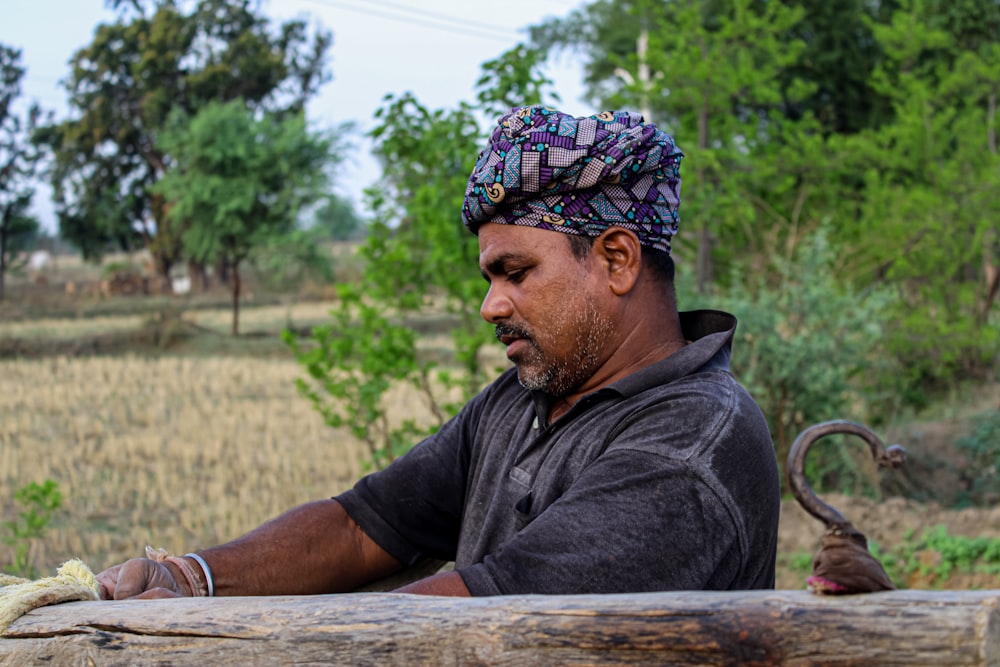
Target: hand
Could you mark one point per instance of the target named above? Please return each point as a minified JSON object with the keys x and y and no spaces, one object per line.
{"x":141,"y":579}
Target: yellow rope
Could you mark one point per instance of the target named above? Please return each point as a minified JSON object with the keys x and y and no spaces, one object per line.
{"x":73,"y":581}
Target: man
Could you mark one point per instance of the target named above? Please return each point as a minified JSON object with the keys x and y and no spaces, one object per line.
{"x":618,"y":455}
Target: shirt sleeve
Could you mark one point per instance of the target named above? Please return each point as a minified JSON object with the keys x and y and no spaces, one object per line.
{"x":413,"y":508}
{"x":633,"y":521}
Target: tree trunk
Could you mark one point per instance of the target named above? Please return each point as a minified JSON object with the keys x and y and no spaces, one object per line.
{"x":3,"y":256}
{"x":198,"y":276}
{"x":991,"y":268}
{"x":222,"y":271}
{"x":645,"y":78}
{"x":793,"y":628}
{"x":703,"y":265}
{"x":236,"y":298}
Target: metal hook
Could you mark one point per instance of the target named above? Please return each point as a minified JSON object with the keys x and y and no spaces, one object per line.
{"x":891,"y":457}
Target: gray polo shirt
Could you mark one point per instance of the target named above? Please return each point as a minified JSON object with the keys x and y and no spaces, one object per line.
{"x":665,"y":480}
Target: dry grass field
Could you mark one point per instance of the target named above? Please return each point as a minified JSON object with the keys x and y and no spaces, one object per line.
{"x":173,"y":452}
{"x":178,"y":447}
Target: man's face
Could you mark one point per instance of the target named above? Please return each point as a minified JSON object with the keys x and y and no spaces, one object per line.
{"x":547,"y":306}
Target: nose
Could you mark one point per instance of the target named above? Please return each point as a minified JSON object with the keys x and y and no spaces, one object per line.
{"x":496,"y":305}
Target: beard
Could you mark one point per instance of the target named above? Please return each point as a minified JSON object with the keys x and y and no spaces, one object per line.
{"x":541,"y":367}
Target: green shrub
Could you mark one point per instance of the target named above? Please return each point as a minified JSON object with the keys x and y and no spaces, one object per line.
{"x":38,"y":503}
{"x":807,"y":348}
{"x":935,"y":556}
{"x":982,"y":449}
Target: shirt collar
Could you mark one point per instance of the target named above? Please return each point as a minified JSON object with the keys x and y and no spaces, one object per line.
{"x":709,"y":334}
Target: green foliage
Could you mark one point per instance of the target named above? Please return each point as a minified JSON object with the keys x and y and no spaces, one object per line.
{"x":282,"y":263}
{"x":799,"y":562}
{"x":929,"y":559}
{"x":837,"y":62}
{"x":111,"y":268}
{"x":18,"y":164}
{"x":513,"y":79}
{"x":239,"y":182}
{"x":418,"y":248}
{"x":351,"y":363}
{"x":336,"y":220}
{"x":982,"y":450}
{"x":418,"y":253}
{"x":925,"y":224}
{"x":806,"y":347}
{"x":155,"y":59}
{"x":38,"y":503}
{"x":935,"y":556}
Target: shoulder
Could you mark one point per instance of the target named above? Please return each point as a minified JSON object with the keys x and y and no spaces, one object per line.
{"x":683,"y":418}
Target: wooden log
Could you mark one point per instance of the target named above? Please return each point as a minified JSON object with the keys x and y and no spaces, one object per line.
{"x":683,"y":628}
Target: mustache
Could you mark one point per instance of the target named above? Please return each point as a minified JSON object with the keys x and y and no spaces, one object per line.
{"x":512,"y":330}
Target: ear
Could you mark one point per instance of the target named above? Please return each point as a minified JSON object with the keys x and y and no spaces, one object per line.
{"x":619,"y":250}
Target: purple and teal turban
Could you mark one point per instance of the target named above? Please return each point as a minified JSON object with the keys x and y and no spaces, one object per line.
{"x":549,"y":170}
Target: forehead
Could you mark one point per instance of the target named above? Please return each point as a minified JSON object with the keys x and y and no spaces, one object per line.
{"x":498,"y":242}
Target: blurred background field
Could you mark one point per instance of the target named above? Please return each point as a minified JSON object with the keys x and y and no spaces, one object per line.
{"x":176,"y":452}
{"x":161,"y":428}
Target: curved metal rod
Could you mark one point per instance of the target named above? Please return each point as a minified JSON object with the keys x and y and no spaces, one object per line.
{"x":891,"y":457}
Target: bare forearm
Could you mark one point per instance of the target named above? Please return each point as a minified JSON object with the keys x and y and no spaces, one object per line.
{"x":445,"y":583}
{"x":314,"y":548}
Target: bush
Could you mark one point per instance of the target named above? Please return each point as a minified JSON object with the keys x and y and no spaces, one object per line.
{"x":38,"y":503}
{"x":982,"y":449}
{"x":935,"y":556}
{"x":807,"y":349}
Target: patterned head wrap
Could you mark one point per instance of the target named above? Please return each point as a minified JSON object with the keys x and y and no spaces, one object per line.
{"x":549,"y":170}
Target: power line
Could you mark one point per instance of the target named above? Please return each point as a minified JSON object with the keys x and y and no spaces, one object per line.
{"x":469,"y":30}
{"x":465,"y":23}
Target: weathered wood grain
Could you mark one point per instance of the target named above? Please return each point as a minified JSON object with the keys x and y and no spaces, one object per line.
{"x":686,"y":628}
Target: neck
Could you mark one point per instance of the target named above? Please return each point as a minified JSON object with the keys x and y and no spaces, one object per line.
{"x":559,"y":407}
{"x":647,"y":342}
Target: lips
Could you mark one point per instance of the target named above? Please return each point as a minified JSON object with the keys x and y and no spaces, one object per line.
{"x":507,"y":339}
{"x":510,"y":335}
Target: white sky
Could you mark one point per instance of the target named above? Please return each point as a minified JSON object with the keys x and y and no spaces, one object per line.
{"x":379,"y":47}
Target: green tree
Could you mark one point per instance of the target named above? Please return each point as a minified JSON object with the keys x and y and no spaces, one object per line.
{"x":282,"y":263}
{"x":514,"y":78}
{"x":337,"y":220}
{"x":711,"y":73}
{"x":926,"y":220}
{"x":123,"y":87}
{"x":18,"y":164}
{"x":417,"y":254}
{"x":839,"y":55}
{"x":808,"y":345}
{"x":239,"y":181}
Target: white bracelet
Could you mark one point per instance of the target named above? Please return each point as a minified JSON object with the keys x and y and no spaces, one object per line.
{"x":207,"y":570}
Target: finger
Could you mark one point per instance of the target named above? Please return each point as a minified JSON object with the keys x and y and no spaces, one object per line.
{"x":134,"y":578}
{"x":157,"y":594}
{"x":103,"y":592}
{"x":107,"y":580}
